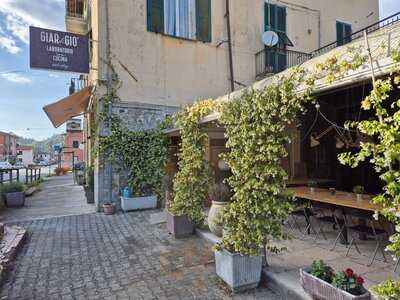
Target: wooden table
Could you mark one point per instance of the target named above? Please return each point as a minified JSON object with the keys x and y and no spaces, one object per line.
{"x":340,"y":198}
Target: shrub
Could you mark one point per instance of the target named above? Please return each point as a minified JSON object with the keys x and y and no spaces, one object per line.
{"x":388,"y":290}
{"x":12,"y":187}
{"x":322,"y":271}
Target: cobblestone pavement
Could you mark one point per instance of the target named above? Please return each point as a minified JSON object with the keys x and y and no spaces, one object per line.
{"x":123,"y":256}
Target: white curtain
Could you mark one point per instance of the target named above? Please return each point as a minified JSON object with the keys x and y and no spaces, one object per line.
{"x":169,"y":17}
{"x":180,"y":18}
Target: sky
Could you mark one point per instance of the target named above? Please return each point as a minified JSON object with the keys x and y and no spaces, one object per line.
{"x":24,"y":93}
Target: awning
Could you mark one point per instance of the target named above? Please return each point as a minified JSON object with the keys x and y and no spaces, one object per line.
{"x":61,"y":111}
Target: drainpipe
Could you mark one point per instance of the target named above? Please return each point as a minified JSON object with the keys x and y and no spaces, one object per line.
{"x":109,"y":94}
{"x":228,"y":25}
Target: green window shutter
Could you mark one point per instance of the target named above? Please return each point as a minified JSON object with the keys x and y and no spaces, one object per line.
{"x":281,"y":19}
{"x":347,"y":32}
{"x":339,"y":33}
{"x":203,"y":20}
{"x":155,"y":16}
{"x":269,"y":17}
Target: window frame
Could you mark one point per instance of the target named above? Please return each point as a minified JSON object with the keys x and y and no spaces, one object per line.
{"x":198,"y":18}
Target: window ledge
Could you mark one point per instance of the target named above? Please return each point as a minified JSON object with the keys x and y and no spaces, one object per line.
{"x":178,"y":37}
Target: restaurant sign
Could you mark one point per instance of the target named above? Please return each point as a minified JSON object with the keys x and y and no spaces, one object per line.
{"x":58,"y":51}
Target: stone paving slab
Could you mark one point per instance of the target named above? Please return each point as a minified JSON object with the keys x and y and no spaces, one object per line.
{"x":122,"y":256}
{"x":59,"y":196}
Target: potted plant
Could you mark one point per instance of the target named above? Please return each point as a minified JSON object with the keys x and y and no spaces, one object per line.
{"x":109,"y":208}
{"x":312,"y":184}
{"x":89,"y":187}
{"x":220,"y":195}
{"x":144,"y":199}
{"x":359,"y":191}
{"x":168,"y":187}
{"x":321,"y":282}
{"x":14,"y":194}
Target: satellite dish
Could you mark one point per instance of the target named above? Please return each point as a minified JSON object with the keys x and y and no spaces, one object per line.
{"x":270,"y":38}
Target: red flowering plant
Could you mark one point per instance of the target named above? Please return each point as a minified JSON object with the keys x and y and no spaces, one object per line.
{"x":349,"y":281}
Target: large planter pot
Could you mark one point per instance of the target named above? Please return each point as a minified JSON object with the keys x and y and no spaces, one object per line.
{"x":89,"y":195}
{"x":138,"y":203}
{"x":16,"y":199}
{"x":179,"y":226}
{"x":323,"y":290}
{"x":213,"y":216}
{"x":240,"y":272}
{"x":109,"y":209}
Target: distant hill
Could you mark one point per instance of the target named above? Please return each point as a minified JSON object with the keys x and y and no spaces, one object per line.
{"x":44,"y":145}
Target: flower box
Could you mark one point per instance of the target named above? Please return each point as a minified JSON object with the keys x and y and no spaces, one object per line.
{"x":240,"y":272}
{"x":138,"y":203}
{"x":323,"y":290}
{"x":179,"y":226}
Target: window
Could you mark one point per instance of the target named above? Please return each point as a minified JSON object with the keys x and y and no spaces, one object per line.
{"x":75,"y":144}
{"x":181,"y":18}
{"x":275,"y":20}
{"x":343,"y":33}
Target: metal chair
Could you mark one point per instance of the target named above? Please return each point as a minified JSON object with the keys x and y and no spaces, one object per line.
{"x":302,"y":211}
{"x":364,"y":229}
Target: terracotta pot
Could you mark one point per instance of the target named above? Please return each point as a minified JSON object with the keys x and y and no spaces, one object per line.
{"x":109,"y":209}
{"x":213,"y":216}
{"x":179,"y":226}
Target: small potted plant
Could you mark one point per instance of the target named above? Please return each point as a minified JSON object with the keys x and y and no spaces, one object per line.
{"x":359,"y":191}
{"x":109,"y":208}
{"x":321,"y":282}
{"x":14,"y":194}
{"x":312,"y":184}
{"x":220,"y":195}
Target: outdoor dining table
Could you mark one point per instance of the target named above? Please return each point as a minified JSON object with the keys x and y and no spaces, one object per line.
{"x":339,"y":198}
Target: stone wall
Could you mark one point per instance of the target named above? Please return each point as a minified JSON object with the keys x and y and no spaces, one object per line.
{"x":134,"y":116}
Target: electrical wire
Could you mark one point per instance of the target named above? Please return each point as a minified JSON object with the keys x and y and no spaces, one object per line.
{"x":311,"y":127}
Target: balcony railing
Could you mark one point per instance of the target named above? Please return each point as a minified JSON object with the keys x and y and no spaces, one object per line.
{"x":274,"y":60}
{"x":271,"y":61}
{"x":77,"y":84}
{"x":358,"y":34}
{"x":75,"y":8}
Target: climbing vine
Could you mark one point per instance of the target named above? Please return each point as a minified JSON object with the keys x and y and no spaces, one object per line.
{"x":143,"y":153}
{"x":194,"y":177}
{"x":256,"y":128}
{"x":381,"y":147}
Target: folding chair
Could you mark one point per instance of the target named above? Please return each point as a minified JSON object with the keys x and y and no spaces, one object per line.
{"x":376,"y":233}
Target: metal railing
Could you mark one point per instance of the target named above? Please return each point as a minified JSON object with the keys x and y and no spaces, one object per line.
{"x":77,"y":84}
{"x":358,"y":34}
{"x":274,"y":60}
{"x":24,"y":175}
{"x":75,"y":8}
{"x":271,"y":61}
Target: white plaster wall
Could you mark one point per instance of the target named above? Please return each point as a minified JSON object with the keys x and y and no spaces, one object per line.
{"x":172,"y":71}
